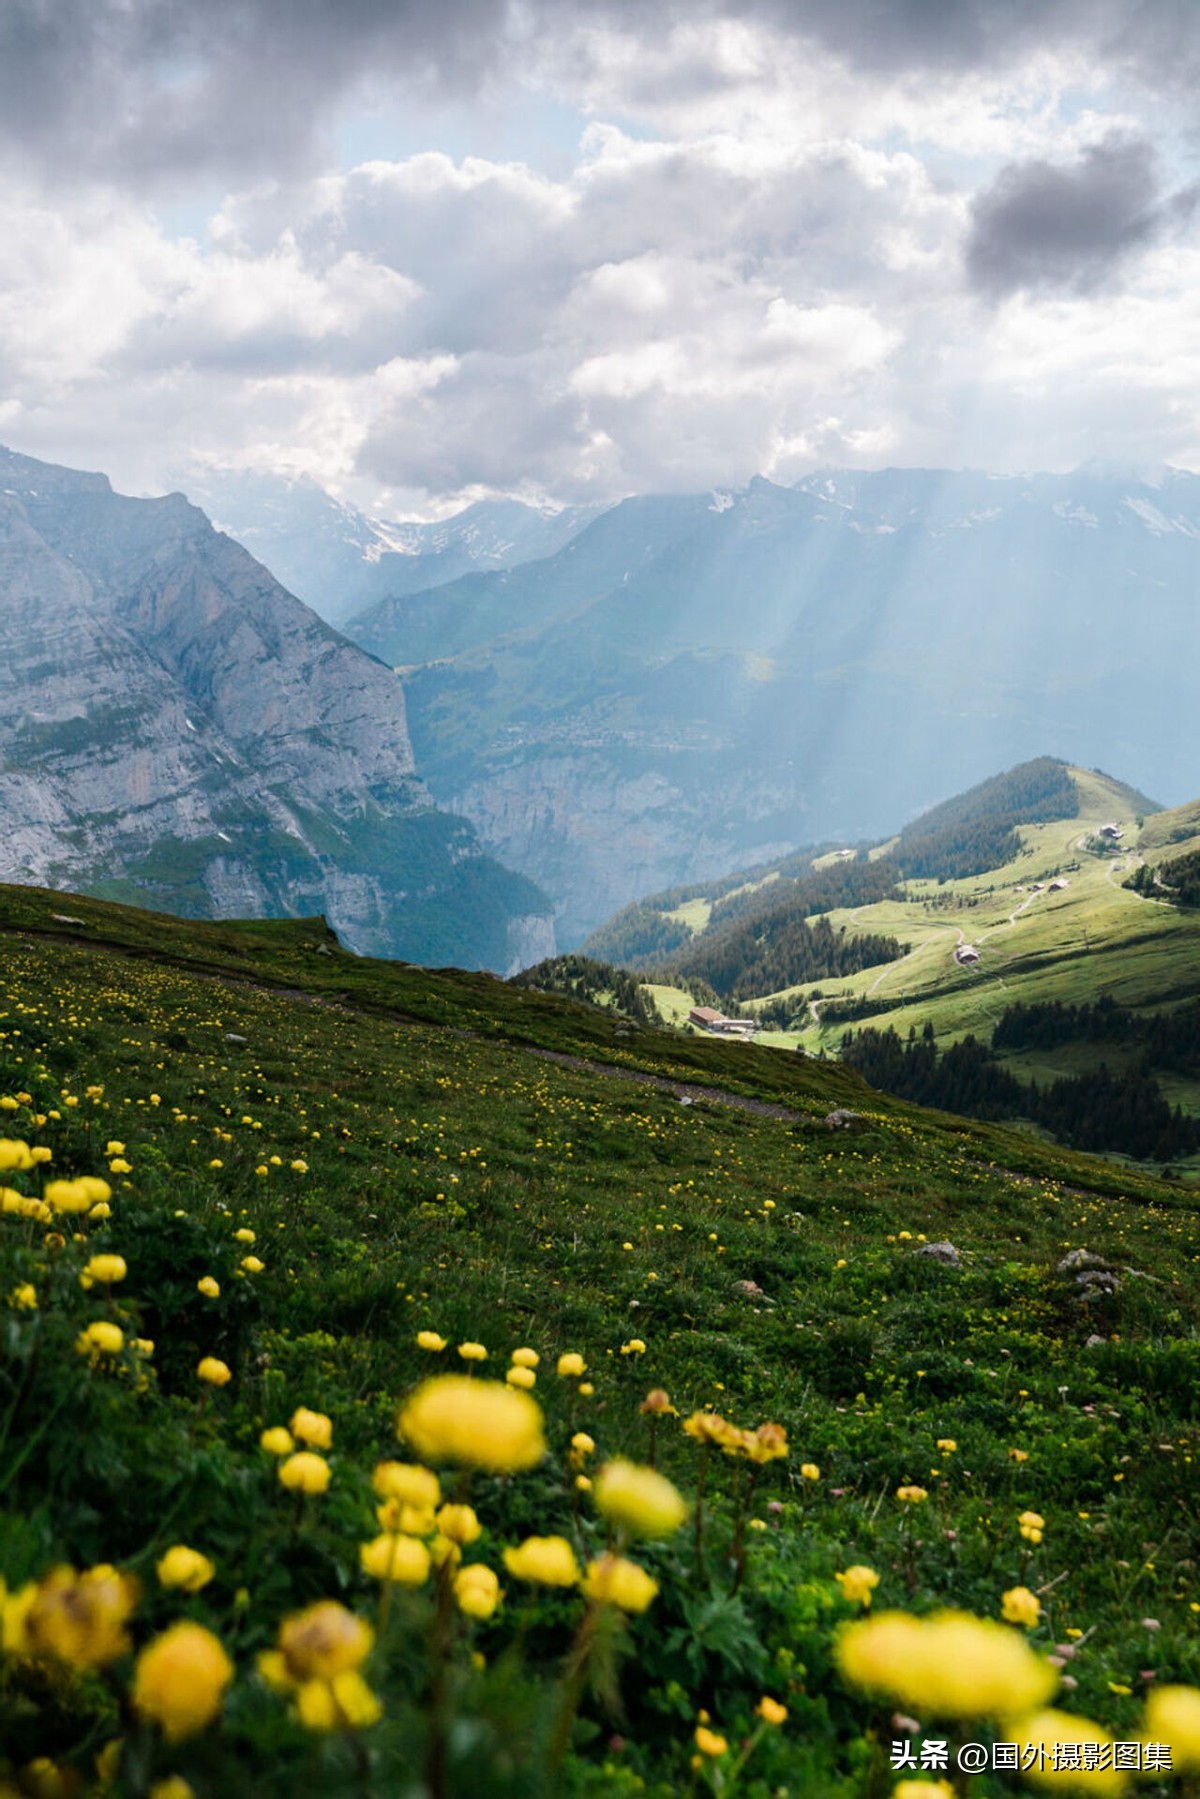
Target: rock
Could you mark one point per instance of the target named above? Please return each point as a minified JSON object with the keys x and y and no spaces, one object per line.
{"x":943,"y":1253}
{"x":1096,"y":1282}
{"x":841,"y":1119}
{"x":235,"y":1037}
{"x":65,"y":918}
{"x":1095,"y":1341}
{"x":1076,"y":1259}
{"x":751,"y":1290}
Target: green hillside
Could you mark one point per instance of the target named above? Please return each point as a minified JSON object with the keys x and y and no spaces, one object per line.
{"x":314,"y":1161}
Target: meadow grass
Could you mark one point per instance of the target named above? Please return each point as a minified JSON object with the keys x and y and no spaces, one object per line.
{"x":422,"y":1152}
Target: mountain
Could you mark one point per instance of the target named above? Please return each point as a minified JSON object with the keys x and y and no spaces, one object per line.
{"x":340,"y":561}
{"x":694,"y":684}
{"x":177,"y":729}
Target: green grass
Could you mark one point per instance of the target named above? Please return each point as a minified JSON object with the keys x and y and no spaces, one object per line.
{"x":499,"y":1165}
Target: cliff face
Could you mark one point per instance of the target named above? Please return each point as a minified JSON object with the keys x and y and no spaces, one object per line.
{"x":176,"y":728}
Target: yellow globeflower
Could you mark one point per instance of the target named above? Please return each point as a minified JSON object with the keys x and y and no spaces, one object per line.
{"x":550,"y":1561}
{"x":312,"y":1428}
{"x":770,"y":1710}
{"x":483,"y":1424}
{"x":709,"y":1742}
{"x":184,"y":1567}
{"x":1047,"y":1730}
{"x":80,"y":1618}
{"x":252,"y":1265}
{"x":635,"y":1346}
{"x":409,"y":1483}
{"x":245,"y":1235}
{"x":173,"y":1787}
{"x":571,"y":1364}
{"x":459,"y":1523}
{"x":210,"y":1288}
{"x":323,"y":1641}
{"x":1172,"y":1716}
{"x":477,"y":1590}
{"x":23,"y":1298}
{"x":911,"y":1495}
{"x":810,"y":1471}
{"x":277,"y":1440}
{"x":397,"y":1558}
{"x":947,"y":1445}
{"x":1020,"y":1606}
{"x":948,"y":1666}
{"x":100,"y":1339}
{"x":472,"y":1352}
{"x":644,"y":1502}
{"x":304,"y":1472}
{"x":612,"y":1580}
{"x":858,"y":1584}
{"x":180,"y":1680}
{"x":923,"y":1789}
{"x":525,"y":1358}
{"x":1031,"y":1526}
{"x":105,"y":1269}
{"x":524,"y":1378}
{"x":431,"y":1341}
{"x":15,"y":1154}
{"x":213,"y":1370}
{"x":344,"y":1703}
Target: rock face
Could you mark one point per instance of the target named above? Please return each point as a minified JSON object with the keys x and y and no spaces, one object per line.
{"x":177,"y":730}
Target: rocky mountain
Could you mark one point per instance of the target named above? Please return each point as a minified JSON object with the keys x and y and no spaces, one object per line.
{"x":340,"y":561}
{"x":693,"y":683}
{"x":176,"y":729}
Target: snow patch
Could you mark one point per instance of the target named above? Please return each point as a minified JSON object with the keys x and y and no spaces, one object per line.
{"x":721,"y":502}
{"x":1075,"y":515}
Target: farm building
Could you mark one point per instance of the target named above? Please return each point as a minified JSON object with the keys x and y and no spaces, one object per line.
{"x":705,"y":1018}
{"x":966,"y":954}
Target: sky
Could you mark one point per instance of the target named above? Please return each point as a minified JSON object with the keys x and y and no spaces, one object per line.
{"x":425,"y":253}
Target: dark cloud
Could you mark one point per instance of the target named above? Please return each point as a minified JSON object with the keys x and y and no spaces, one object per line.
{"x":1051,"y":225}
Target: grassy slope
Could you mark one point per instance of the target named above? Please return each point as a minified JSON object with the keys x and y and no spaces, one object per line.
{"x":455,"y":1180}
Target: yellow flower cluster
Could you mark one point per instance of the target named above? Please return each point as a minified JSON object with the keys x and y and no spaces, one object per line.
{"x":318,"y":1658}
{"x":951,"y":1665}
{"x":481,"y":1424}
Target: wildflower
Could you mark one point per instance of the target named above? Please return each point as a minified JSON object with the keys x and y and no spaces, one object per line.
{"x":1020,"y":1606}
{"x":635,"y":1346}
{"x":923,"y":1789}
{"x":524,"y":1378}
{"x":770,"y":1710}
{"x":105,"y":1269}
{"x":1018,"y":1455}
{"x":277,"y":1440}
{"x":612,"y":1580}
{"x":1031,"y":1526}
{"x":710,"y":1427}
{"x":213,"y":1370}
{"x":15,"y":1154}
{"x":858,"y":1584}
{"x":113,"y":1148}
{"x":656,"y":1403}
{"x":947,"y":1445}
{"x":344,"y":1703}
{"x":472,"y":1352}
{"x":71,"y":1196}
{"x":810,"y":1471}
{"x":210,"y":1288}
{"x":180,"y":1680}
{"x":525,"y":1358}
{"x":185,"y":1568}
{"x":550,"y":1561}
{"x":173,"y":1787}
{"x":323,"y":1641}
{"x":481,"y":1423}
{"x":459,"y":1523}
{"x":252,"y":1265}
{"x":299,"y":1166}
{"x":119,"y":1165}
{"x":768,"y":1443}
{"x":477,"y":1590}
{"x":431,"y":1341}
{"x":911,"y":1495}
{"x":644,"y":1502}
{"x":23,"y":1298}
{"x":304,"y":1472}
{"x":709,"y":1742}
{"x":80,"y":1618}
{"x":1172,"y":1716}
{"x":582,"y":1445}
{"x":394,"y":1557}
{"x":312,"y":1428}
{"x":950,"y":1665}
{"x":100,"y":1339}
{"x":571,"y":1364}
{"x":1046,"y":1730}
{"x":244,"y":1235}
{"x":407,"y":1482}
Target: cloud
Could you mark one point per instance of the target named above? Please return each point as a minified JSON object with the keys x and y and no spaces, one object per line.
{"x":1046,"y":225}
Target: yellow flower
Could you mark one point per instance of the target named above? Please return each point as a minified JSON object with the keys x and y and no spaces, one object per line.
{"x":571,"y":1364}
{"x":524,"y":1378}
{"x":14,"y":1154}
{"x":612,"y":1580}
{"x":582,"y":1444}
{"x":1172,"y":1716}
{"x":550,"y":1561}
{"x":947,"y":1445}
{"x":477,"y":1590}
{"x":299,"y":1166}
{"x":323,"y":1641}
{"x":24,"y":1298}
{"x":481,"y":1423}
{"x":105,"y":1269}
{"x":312,"y":1428}
{"x":810,"y":1471}
{"x":1020,"y":1606}
{"x":213,"y":1370}
{"x":100,"y":1339}
{"x":923,"y":1789}
{"x":1045,"y":1730}
{"x":431,"y":1341}
{"x":950,"y":1665}
{"x":184,"y":1567}
{"x":708,"y":1742}
{"x":911,"y":1495}
{"x":210,"y":1288}
{"x":245,"y":1235}
{"x":657,"y":1403}
{"x":304,"y":1472}
{"x":80,"y":1618}
{"x":180,"y":1680}
{"x":635,"y":1346}
{"x":710,"y":1427}
{"x":409,"y":1520}
{"x":173,"y":1787}
{"x":344,"y":1703}
{"x":252,"y":1265}
{"x":1018,"y":1455}
{"x":768,"y":1443}
{"x":857,"y":1585}
{"x":459,"y":1523}
{"x":277,"y":1440}
{"x":525,"y":1358}
{"x":472,"y":1352}
{"x":14,"y":1615}
{"x":394,"y":1557}
{"x":1031,"y":1526}
{"x":119,"y":1165}
{"x":113,"y":1148}
{"x":408,"y":1482}
{"x":770,"y":1710}
{"x":644,"y":1502}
